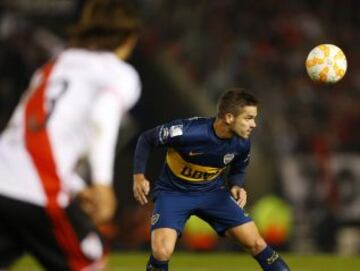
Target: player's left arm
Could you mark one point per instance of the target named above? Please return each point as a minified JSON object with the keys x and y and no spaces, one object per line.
{"x":98,"y":199}
{"x":237,"y":176}
{"x":116,"y":95}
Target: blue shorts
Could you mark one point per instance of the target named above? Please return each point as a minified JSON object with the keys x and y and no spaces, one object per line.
{"x":172,"y":210}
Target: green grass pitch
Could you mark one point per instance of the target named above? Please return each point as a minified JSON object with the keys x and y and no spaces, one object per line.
{"x":217,"y":262}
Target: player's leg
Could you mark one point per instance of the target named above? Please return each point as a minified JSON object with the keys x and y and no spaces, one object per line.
{"x":170,"y":213}
{"x":248,"y":236}
{"x":163,"y":242}
{"x":221,"y":211}
{"x":83,"y":248}
{"x":11,"y":247}
{"x":65,"y":241}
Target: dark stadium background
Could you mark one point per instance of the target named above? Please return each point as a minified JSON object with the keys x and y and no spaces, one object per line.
{"x":306,"y":147}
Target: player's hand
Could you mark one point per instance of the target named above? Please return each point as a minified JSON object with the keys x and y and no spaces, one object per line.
{"x":239,"y":194}
{"x":141,"y":188}
{"x":99,"y":202}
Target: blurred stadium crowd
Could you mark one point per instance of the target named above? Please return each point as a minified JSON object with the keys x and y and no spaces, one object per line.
{"x":308,"y":140}
{"x":310,"y":133}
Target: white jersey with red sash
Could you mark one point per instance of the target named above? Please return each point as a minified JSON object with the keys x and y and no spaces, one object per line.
{"x":73,"y":107}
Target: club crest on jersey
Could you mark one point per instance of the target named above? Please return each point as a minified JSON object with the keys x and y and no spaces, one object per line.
{"x":155,"y":218}
{"x":228,"y":158}
{"x":176,"y":130}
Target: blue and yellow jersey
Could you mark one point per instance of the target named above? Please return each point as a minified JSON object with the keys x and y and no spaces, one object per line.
{"x":196,"y":158}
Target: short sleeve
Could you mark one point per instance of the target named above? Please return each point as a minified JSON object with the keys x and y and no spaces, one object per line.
{"x":170,"y":134}
{"x":122,"y":80}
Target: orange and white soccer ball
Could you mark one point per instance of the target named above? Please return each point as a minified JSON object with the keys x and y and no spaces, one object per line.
{"x":326,"y":63}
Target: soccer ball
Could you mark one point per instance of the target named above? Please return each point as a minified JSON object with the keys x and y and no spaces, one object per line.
{"x":326,"y":63}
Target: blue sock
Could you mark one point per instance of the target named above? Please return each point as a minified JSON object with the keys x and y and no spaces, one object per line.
{"x":270,"y":260}
{"x":156,"y":265}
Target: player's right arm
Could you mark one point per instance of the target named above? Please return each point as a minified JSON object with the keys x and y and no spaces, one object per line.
{"x":164,"y":135}
{"x":141,"y":188}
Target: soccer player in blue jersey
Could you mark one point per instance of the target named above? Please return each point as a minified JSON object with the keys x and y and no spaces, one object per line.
{"x":192,"y":181}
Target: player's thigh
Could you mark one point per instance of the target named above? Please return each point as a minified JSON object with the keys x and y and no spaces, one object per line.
{"x":171,"y":210}
{"x":75,"y":241}
{"x":248,"y":236}
{"x":89,"y":239}
{"x":163,"y":242}
{"x":60,"y":239}
{"x":221,"y":211}
{"x":10,"y":245}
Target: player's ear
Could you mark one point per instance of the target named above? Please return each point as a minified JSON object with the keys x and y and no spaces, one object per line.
{"x":229,"y":118}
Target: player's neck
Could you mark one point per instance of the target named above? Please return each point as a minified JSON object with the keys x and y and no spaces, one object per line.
{"x":221,"y":129}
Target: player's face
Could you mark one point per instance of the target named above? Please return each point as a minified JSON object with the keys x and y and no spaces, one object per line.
{"x":243,"y":124}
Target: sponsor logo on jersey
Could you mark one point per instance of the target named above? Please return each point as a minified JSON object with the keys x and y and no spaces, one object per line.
{"x":155,"y":218}
{"x":228,"y":158}
{"x":176,"y":130}
{"x":192,"y":153}
{"x":190,"y":171}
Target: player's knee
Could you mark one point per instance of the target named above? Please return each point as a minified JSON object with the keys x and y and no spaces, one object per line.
{"x":256,"y":246}
{"x":162,"y":253}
